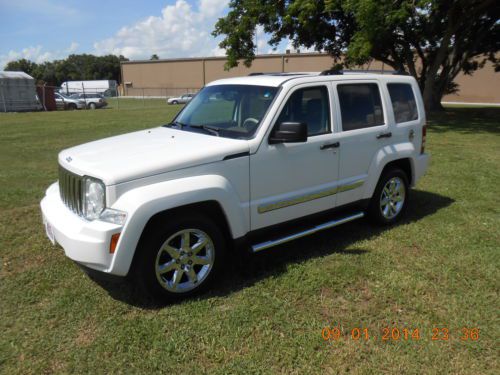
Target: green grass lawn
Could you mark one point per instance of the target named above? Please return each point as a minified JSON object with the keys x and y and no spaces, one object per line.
{"x":439,"y":268}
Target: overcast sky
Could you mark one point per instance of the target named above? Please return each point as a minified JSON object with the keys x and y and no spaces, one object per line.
{"x":42,"y":30}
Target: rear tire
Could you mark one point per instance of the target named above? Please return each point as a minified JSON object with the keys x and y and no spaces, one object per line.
{"x":92,"y":106}
{"x":390,"y":199}
{"x":179,"y":256}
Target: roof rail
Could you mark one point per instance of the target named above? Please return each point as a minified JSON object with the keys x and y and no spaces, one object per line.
{"x":331,"y":72}
{"x":272,"y":74}
{"x":380,"y":71}
{"x":279,"y":74}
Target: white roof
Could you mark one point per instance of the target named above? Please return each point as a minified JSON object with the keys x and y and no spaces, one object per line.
{"x":273,"y":80}
{"x":15,"y":75}
{"x":277,"y":79}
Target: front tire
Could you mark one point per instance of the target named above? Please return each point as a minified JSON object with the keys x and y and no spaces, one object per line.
{"x":390,"y":199}
{"x":180,"y":256}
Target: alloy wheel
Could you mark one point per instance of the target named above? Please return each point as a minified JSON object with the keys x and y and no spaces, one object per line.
{"x":392,"y":198}
{"x":185,"y":260}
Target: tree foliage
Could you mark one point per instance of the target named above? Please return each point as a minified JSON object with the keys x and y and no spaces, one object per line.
{"x":433,"y":40}
{"x":73,"y":68}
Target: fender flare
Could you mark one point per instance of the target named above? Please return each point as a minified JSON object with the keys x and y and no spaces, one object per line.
{"x":144,"y":202}
{"x":383,"y":157}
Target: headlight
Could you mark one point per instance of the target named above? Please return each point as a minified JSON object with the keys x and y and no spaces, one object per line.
{"x":94,"y":200}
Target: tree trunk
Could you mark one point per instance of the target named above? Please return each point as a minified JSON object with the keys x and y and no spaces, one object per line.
{"x":432,"y":98}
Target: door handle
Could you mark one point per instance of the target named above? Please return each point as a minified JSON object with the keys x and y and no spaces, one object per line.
{"x":329,"y":145}
{"x":384,"y":135}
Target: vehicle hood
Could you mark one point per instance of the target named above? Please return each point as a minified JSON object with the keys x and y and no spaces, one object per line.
{"x":148,"y":152}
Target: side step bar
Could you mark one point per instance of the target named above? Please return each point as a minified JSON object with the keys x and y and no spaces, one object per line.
{"x":329,"y":224}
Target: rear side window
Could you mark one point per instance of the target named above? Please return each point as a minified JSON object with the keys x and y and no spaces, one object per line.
{"x":360,"y":105}
{"x":403,"y":102}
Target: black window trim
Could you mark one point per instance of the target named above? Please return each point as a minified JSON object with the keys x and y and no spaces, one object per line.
{"x":414,"y":97}
{"x":303,"y":86}
{"x":361,"y":82}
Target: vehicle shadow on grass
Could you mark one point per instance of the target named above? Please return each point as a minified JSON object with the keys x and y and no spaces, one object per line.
{"x":251,"y":269}
{"x":466,"y":120}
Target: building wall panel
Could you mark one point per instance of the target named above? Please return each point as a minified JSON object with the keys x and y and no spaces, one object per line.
{"x":174,"y":77}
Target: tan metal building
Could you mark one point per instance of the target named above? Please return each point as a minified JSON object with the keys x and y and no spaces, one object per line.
{"x":177,"y":76}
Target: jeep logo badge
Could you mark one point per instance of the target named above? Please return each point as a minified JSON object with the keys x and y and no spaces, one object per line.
{"x":69,"y":159}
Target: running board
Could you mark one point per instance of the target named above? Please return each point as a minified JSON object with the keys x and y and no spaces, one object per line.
{"x":329,"y":224}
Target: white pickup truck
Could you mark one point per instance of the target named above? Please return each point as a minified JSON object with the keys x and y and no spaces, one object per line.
{"x":250,"y":163}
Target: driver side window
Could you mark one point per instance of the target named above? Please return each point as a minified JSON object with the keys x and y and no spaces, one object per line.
{"x":310,"y":105}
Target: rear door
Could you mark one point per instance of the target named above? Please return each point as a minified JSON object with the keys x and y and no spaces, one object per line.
{"x":363,"y":130}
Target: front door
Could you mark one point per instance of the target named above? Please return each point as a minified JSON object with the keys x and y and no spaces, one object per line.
{"x":291,"y":180}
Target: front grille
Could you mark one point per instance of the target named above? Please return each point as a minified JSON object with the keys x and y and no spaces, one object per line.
{"x":71,"y":190}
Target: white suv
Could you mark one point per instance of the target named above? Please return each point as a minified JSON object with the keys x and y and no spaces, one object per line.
{"x":250,"y":163}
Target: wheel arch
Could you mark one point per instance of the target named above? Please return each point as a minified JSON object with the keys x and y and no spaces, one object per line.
{"x":213,"y":195}
{"x":404,"y":164}
{"x":400,"y":156}
{"x":210,"y":208}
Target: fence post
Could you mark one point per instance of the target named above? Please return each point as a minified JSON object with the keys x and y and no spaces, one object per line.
{"x":84,"y":98}
{"x":143,"y":99}
{"x":44,"y":104}
{"x":3,"y":99}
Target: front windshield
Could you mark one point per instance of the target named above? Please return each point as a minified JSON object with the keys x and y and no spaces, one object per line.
{"x":234,"y":111}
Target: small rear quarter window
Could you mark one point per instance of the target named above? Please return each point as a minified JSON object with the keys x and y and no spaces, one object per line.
{"x":403,"y":102}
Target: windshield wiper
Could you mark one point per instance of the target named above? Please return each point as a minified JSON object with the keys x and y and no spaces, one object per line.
{"x":176,"y":123}
{"x":207,"y":128}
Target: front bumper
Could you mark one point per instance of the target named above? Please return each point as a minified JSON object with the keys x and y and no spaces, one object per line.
{"x":85,"y":242}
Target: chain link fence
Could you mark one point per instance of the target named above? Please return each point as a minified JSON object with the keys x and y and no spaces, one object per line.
{"x":121,"y":98}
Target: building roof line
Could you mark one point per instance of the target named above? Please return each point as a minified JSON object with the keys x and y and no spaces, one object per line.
{"x":218,"y":58}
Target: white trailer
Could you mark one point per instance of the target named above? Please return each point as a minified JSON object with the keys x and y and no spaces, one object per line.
{"x":104,"y":87}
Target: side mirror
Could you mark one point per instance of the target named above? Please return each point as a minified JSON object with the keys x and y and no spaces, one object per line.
{"x":289,"y":132}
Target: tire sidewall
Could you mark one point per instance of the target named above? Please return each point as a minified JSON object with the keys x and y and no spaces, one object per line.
{"x":374,"y":209}
{"x":147,"y":250}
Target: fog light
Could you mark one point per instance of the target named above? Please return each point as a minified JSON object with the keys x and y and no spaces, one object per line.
{"x":114,"y":241}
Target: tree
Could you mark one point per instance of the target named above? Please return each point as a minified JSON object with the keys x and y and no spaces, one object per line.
{"x":154,"y":57}
{"x":73,"y":68}
{"x":21,"y":65}
{"x":433,"y":40}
